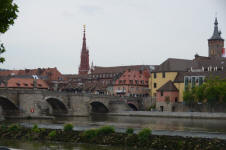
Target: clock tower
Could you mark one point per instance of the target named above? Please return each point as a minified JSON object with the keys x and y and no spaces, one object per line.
{"x":216,"y":43}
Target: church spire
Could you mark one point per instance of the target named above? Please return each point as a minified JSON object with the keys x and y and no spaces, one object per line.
{"x":84,"y":38}
{"x":216,"y":33}
{"x":84,"y":62}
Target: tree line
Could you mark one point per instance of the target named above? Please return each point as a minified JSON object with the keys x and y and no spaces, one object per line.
{"x":213,"y":91}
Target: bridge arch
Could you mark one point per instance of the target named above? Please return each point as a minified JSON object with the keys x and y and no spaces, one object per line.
{"x":132,"y":106}
{"x":57,"y":106}
{"x":98,"y":107}
{"x":8,"y":107}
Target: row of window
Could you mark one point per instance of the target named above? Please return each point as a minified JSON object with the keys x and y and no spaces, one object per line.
{"x":131,"y":88}
{"x":131,"y":82}
{"x":193,"y":80}
{"x":102,"y":75}
{"x":25,"y":84}
{"x":163,"y":75}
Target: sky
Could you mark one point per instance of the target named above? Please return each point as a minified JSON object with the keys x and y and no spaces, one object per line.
{"x":48,"y":33}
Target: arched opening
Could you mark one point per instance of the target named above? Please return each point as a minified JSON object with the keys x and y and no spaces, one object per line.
{"x":132,"y":106}
{"x":98,"y":107}
{"x":8,"y":108}
{"x":58,"y":107}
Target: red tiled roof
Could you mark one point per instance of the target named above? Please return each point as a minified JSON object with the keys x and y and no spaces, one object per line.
{"x":117,"y":69}
{"x":25,"y":83}
{"x":52,"y":73}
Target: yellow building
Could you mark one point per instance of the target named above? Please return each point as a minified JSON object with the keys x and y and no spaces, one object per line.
{"x":167,"y":71}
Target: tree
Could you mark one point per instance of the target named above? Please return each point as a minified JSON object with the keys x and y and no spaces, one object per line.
{"x":8,"y":13}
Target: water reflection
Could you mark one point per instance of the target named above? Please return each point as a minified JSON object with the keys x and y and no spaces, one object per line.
{"x":28,"y":145}
{"x":123,"y":122}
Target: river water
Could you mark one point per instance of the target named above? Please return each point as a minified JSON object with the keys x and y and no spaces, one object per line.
{"x":208,"y":128}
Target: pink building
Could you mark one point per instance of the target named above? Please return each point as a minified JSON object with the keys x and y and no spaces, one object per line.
{"x":166,"y":96}
{"x":132,"y":83}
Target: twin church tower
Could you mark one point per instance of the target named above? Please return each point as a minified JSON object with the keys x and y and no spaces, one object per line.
{"x":215,"y":43}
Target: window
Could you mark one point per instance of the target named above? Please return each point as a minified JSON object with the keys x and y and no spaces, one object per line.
{"x":155,"y":85}
{"x":163,"y":74}
{"x":193,"y":82}
{"x":25,"y":84}
{"x":176,"y":99}
{"x":130,"y":81}
{"x":161,"y":93}
{"x":154,"y":75}
{"x":120,"y":81}
{"x":200,"y":80}
{"x":136,"y":81}
{"x":186,"y":80}
{"x":124,"y":81}
{"x":18,"y":84}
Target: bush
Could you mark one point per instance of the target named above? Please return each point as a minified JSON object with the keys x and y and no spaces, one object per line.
{"x":14,"y":127}
{"x":35,"y":129}
{"x":143,"y":135}
{"x":89,"y":134}
{"x":3,"y":127}
{"x":129,"y":131}
{"x":68,"y":127}
{"x":52,"y":134}
{"x":105,"y":130}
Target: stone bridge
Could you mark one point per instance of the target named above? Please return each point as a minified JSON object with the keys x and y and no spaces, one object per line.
{"x":38,"y":103}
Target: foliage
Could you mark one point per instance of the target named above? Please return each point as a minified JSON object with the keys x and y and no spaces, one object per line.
{"x":212,"y":91}
{"x":144,"y":135}
{"x":8,"y":13}
{"x":52,"y":134}
{"x":68,"y":127}
{"x":3,"y":127}
{"x":129,"y":131}
{"x":35,"y":129}
{"x":89,"y":134}
{"x":14,"y":127}
{"x":105,"y":130}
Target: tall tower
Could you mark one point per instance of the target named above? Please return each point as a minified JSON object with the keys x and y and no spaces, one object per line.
{"x":216,"y":43}
{"x":84,"y":63}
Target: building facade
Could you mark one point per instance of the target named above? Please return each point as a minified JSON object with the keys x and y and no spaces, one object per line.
{"x":132,"y":83}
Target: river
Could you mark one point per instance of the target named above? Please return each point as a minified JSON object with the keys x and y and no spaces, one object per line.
{"x":37,"y":145}
{"x":208,"y":128}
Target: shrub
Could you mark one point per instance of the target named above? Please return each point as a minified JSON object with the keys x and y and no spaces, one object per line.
{"x":144,"y":134}
{"x":105,"y":130}
{"x":52,"y":134}
{"x":35,"y":129}
{"x":14,"y":127}
{"x":68,"y":127}
{"x":129,"y":131}
{"x":89,"y":134}
{"x":3,"y":127}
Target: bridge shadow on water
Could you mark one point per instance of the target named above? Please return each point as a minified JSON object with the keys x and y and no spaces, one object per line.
{"x":98,"y":107}
{"x":8,"y":108}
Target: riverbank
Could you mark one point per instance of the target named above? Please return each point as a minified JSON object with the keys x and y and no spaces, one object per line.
{"x":191,"y":115}
{"x":107,"y":136}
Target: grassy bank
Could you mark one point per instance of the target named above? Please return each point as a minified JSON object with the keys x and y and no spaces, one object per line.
{"x":107,"y":136}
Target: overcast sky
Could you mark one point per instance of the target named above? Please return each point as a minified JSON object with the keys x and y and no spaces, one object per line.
{"x":48,"y":33}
